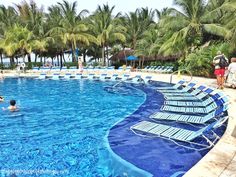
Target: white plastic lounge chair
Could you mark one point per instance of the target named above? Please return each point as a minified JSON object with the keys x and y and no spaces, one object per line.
{"x":147,"y":79}
{"x":185,"y":89}
{"x":205,"y":102}
{"x":67,"y":76}
{"x":78,"y":76}
{"x":125,"y":77}
{"x":91,"y":76}
{"x":135,"y":79}
{"x":196,"y":119}
{"x":55,"y":76}
{"x":103,"y":77}
{"x":42,"y":76}
{"x":209,"y":108}
{"x":199,"y":96}
{"x":114,"y":77}
{"x":35,"y":69}
{"x":169,"y":132}
{"x":174,"y":87}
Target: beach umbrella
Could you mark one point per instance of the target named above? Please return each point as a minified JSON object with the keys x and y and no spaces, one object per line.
{"x":132,"y":58}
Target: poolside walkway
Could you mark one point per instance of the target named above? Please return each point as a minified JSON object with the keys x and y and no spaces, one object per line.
{"x":221,"y":160}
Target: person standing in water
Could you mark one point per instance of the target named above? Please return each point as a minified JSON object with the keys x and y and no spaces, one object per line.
{"x":80,"y":65}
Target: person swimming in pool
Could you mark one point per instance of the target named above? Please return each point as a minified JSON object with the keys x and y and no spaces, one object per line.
{"x":1,"y":98}
{"x":12,"y":106}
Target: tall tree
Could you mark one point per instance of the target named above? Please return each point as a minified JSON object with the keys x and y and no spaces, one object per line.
{"x":188,"y":25}
{"x":71,"y":28}
{"x":107,"y":28}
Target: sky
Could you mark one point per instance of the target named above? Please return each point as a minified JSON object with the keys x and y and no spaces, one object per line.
{"x":124,"y":6}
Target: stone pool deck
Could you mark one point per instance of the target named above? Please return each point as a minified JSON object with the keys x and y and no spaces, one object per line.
{"x":221,"y":160}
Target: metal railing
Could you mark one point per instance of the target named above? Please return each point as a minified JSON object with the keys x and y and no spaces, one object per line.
{"x":179,"y":72}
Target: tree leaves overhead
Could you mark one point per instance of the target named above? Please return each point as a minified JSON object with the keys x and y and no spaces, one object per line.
{"x":149,"y":32}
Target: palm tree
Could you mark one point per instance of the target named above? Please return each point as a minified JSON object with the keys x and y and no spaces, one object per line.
{"x":17,"y":41}
{"x":107,"y":28}
{"x":188,"y":26}
{"x":8,"y":17}
{"x":136,"y":23}
{"x":71,"y":29}
{"x":150,"y":43}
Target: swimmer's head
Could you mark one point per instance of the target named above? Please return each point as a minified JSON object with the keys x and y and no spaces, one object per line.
{"x":13,"y":102}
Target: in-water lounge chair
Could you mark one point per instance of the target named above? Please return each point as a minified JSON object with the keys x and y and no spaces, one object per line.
{"x":179,"y":91}
{"x":67,"y":76}
{"x":194,"y":109}
{"x":196,"y":119}
{"x":42,"y":76}
{"x":55,"y":76}
{"x":170,"y":132}
{"x":174,"y":87}
{"x":192,"y":97}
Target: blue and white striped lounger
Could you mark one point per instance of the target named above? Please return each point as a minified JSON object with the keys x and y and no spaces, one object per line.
{"x":171,"y":132}
{"x":67,"y":76}
{"x":55,"y":76}
{"x":78,"y":76}
{"x":91,"y":76}
{"x":200,"y":96}
{"x":147,"y":79}
{"x":174,"y":87}
{"x":205,"y":102}
{"x":125,"y":77}
{"x":189,"y":118}
{"x":202,"y":110}
{"x":103,"y":77}
{"x":135,"y":79}
{"x":42,"y":76}
{"x":179,"y":91}
{"x":114,"y":77}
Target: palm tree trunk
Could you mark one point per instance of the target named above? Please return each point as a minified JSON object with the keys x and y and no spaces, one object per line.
{"x":142,"y":62}
{"x":84,"y":56}
{"x":36,"y":56}
{"x":103,"y":57}
{"x":57,"y":60}
{"x":29,"y":58}
{"x":63,"y":56}
{"x":73,"y":52}
{"x":107,"y":53}
{"x":61,"y":63}
{"x":1,"y":59}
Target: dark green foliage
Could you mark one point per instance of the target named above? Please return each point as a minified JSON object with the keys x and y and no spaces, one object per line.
{"x":200,"y":61}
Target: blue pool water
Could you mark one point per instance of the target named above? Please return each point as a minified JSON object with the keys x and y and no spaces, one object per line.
{"x":82,"y":128}
{"x":61,"y":126}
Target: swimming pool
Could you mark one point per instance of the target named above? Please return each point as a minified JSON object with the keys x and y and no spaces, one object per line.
{"x":63,"y":128}
{"x":61,"y":125}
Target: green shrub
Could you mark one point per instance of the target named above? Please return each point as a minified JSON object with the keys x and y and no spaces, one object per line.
{"x":200,"y":61}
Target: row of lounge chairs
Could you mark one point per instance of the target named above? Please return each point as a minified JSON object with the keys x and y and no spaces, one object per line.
{"x":158,"y":69}
{"x":186,"y":105}
{"x":74,"y":69}
{"x":102,"y":77}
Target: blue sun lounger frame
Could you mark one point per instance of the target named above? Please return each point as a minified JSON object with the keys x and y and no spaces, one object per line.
{"x":186,"y":89}
{"x":195,"y":119}
{"x":199,"y":96}
{"x":170,"y":132}
{"x":195,"y":109}
{"x":174,"y":87}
